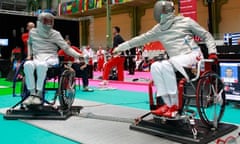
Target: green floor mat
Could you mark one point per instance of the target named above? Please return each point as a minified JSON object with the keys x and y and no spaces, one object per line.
{"x":6,"y":87}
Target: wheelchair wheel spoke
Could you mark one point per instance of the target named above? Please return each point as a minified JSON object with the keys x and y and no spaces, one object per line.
{"x":209,"y":92}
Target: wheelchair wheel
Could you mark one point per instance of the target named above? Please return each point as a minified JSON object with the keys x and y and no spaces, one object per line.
{"x":24,"y":90}
{"x":210,"y":99}
{"x":67,"y":89}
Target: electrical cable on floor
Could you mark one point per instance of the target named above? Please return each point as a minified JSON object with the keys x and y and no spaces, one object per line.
{"x":121,"y":104}
{"x":107,"y":118}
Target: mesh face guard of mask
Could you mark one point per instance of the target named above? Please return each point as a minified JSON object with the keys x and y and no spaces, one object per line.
{"x":162,"y":7}
{"x":46,"y":19}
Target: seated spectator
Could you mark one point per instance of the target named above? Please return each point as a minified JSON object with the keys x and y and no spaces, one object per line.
{"x":15,"y":63}
{"x":78,"y":65}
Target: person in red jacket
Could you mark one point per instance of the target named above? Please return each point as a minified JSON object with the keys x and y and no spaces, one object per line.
{"x":25,"y":36}
{"x":80,"y":67}
{"x":100,"y":58}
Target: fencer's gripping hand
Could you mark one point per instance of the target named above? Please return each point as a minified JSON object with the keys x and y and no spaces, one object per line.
{"x":116,"y":51}
{"x":122,"y":47}
{"x":214,"y":57}
{"x":28,"y":58}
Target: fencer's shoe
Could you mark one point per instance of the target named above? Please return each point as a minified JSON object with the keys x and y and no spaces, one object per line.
{"x":36,"y":100}
{"x":103,"y":83}
{"x":87,"y":89}
{"x":160,"y":110}
{"x":171,"y":112}
{"x":28,"y":100}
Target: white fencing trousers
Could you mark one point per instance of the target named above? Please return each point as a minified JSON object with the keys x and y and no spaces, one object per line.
{"x":41,"y":68}
{"x":164,"y":78}
{"x":163,"y":74}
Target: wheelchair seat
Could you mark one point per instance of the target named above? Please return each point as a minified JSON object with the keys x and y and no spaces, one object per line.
{"x":57,"y":69}
{"x":54,"y":71}
{"x":189,"y":72}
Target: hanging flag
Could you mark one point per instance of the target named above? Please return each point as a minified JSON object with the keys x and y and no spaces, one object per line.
{"x":75,"y":6}
{"x":69,"y":7}
{"x":95,"y":4}
{"x":99,"y":4}
{"x":83,"y":5}
{"x":86,"y":5}
{"x":91,"y":4}
{"x":59,"y":9}
{"x":64,"y":8}
{"x":80,"y":7}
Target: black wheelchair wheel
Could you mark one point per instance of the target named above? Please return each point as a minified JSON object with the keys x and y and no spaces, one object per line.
{"x":67,"y":89}
{"x":24,"y":90}
{"x":210,"y":99}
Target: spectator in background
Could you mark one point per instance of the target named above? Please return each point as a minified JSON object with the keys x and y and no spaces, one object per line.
{"x":117,"y":38}
{"x":88,"y":54}
{"x":131,"y":63}
{"x":79,"y":65}
{"x":138,"y":58}
{"x":100,"y":58}
{"x":25,"y":37}
{"x":16,"y":58}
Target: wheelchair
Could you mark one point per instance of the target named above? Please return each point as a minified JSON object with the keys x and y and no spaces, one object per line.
{"x":200,"y":123}
{"x":209,"y":94}
{"x":62,"y":82}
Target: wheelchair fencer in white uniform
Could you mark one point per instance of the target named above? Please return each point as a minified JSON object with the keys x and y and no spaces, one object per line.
{"x":176,"y":33}
{"x":43,"y":44}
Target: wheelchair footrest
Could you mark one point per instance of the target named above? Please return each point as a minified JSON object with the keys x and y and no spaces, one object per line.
{"x":180,"y":131}
{"x":42,"y":112}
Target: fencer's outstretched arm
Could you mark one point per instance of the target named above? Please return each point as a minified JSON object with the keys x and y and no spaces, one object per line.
{"x":67,"y":49}
{"x":204,"y":35}
{"x":29,"y":52}
{"x":29,"y":48}
{"x":149,"y":36}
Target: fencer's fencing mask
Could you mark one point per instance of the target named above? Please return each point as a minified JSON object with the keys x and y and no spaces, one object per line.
{"x":162,"y":7}
{"x":45,"y":23}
